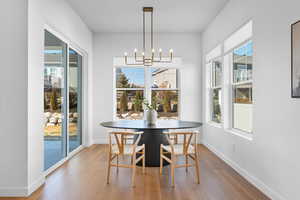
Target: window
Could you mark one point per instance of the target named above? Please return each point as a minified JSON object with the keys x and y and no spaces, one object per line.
{"x":158,"y":86}
{"x":130,"y":84}
{"x":216,"y":91}
{"x":229,"y":83}
{"x":164,"y":92}
{"x":242,"y":87}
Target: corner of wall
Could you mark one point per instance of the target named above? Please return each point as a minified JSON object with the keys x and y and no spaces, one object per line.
{"x":35,"y":185}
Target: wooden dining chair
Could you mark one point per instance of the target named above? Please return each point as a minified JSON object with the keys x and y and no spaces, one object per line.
{"x":118,"y":146}
{"x":174,"y":138}
{"x":187,"y":148}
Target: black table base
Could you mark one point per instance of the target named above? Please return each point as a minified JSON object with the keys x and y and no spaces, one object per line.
{"x":152,"y":138}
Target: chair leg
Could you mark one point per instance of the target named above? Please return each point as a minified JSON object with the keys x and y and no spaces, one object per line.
{"x":133,"y":169}
{"x":161,"y":160}
{"x":173,"y":169}
{"x":197,"y":168}
{"x":108,"y":169}
{"x":117,"y":163}
{"x":144,"y":157}
{"x":186,"y":162}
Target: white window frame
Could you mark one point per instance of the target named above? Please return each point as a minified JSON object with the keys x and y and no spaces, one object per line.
{"x":85,"y":93}
{"x":225,"y":51}
{"x":232,"y":84}
{"x":147,"y":87}
{"x":212,"y":88}
{"x":214,"y":55}
{"x":125,"y":89}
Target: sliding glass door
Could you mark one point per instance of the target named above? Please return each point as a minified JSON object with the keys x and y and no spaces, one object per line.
{"x":75,"y":63}
{"x":55,"y":55}
{"x":62,"y":100}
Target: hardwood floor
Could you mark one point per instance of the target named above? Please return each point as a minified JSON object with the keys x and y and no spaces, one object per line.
{"x":84,"y":178}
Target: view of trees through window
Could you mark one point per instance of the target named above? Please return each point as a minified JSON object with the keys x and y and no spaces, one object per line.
{"x":130,"y":104}
{"x":216,"y":85}
{"x":131,"y":90}
{"x":166,"y":103}
{"x":216,"y":105}
{"x":130,"y":83}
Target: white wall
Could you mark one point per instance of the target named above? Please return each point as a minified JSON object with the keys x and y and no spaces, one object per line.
{"x":110,"y":45}
{"x":270,"y":160}
{"x":21,"y":143}
{"x":63,"y":20}
{"x":13,"y":98}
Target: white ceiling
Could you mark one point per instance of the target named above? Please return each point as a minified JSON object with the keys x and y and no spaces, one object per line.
{"x":126,"y":15}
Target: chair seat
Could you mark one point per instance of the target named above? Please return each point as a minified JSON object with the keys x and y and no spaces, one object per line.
{"x":178,"y":148}
{"x":128,"y":149}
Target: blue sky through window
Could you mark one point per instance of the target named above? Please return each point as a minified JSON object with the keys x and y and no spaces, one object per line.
{"x":48,"y":51}
{"x":246,"y":49}
{"x":135,"y":75}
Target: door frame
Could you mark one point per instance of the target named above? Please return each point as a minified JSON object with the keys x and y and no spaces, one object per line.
{"x":84,"y":95}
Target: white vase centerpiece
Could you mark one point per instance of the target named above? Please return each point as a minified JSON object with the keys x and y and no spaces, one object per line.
{"x":150,"y":113}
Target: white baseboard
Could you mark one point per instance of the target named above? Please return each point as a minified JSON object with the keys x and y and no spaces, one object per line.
{"x":22,"y":191}
{"x":13,"y":192}
{"x":26,"y":191}
{"x":249,"y":177}
{"x":35,"y":185}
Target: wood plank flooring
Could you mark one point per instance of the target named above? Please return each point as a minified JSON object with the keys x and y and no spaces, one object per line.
{"x":84,"y":178}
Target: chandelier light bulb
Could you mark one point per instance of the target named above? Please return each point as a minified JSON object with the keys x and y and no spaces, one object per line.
{"x":171,"y":50}
{"x":160,"y":50}
{"x":125,"y":54}
{"x":135,"y":50}
{"x":153,"y":50}
{"x":143,"y":53}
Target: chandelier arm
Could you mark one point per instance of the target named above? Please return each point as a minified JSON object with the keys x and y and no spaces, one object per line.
{"x":170,"y":59}
{"x":162,"y":61}
{"x":137,"y":61}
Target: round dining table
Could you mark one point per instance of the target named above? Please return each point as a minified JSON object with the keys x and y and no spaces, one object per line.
{"x":153,"y":135}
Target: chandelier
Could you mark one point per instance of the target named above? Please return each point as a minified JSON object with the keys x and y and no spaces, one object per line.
{"x":148,"y":56}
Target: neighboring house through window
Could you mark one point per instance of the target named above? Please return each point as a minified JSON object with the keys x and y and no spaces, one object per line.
{"x":242,"y":107}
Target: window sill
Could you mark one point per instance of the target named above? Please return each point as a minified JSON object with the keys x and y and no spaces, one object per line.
{"x":243,"y":134}
{"x":214,"y":124}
